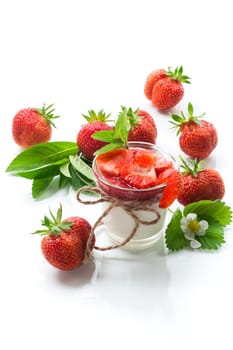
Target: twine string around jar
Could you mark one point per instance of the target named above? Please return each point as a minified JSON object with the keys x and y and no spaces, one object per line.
{"x":130,"y":207}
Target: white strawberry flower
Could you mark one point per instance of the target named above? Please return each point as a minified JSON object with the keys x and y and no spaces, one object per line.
{"x":192,"y":227}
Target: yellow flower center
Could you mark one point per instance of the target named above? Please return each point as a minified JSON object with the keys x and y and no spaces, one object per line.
{"x":194,"y":226}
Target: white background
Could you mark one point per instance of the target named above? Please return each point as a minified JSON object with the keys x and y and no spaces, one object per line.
{"x":90,"y":54}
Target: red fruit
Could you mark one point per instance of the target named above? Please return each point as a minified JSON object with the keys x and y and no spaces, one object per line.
{"x":172,"y":189}
{"x":152,"y":78}
{"x":198,"y":138}
{"x":110,"y":163}
{"x":143,"y":128}
{"x":200,"y":184}
{"x":164,"y":88}
{"x":140,"y":172}
{"x":64,"y":242}
{"x":32,"y":126}
{"x":162,"y":164}
{"x":63,"y":252}
{"x":81,"y":228}
{"x":96,"y":122}
{"x":164,"y":176}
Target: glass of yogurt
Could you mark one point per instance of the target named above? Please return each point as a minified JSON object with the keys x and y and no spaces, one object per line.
{"x":131,"y":181}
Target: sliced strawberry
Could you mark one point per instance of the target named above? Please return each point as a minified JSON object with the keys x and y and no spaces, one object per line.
{"x":164,"y":176}
{"x":162,"y":164}
{"x":172,"y":190}
{"x":140,"y":172}
{"x":109,"y":163}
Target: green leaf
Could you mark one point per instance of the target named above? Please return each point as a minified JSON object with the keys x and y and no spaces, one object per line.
{"x":213,"y":238}
{"x":39,"y":186}
{"x":64,"y":169}
{"x":64,"y":181}
{"x":109,"y":147}
{"x":76,"y":181}
{"x":122,"y":126}
{"x":82,"y":167}
{"x":207,"y":210}
{"x":42,"y":160}
{"x":174,"y":236}
{"x":190,"y":109}
{"x":103,"y":135}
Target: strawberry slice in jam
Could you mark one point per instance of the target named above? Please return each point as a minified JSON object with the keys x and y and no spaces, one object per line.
{"x":140,"y":172}
{"x":110,"y":163}
{"x":162,"y":164}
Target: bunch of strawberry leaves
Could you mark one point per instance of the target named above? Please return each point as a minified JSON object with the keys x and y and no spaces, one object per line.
{"x":216,"y":213}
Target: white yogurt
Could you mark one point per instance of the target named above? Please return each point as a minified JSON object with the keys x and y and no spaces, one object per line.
{"x":119,"y":225}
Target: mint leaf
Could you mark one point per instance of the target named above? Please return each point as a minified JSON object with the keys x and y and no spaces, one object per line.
{"x":213,"y":238}
{"x":39,"y":186}
{"x":122,"y":126}
{"x":64,"y":181}
{"x":174,"y":236}
{"x":118,"y":137}
{"x":76,"y":181}
{"x":207,"y":210}
{"x":103,"y":135}
{"x":109,"y":147}
{"x":64,"y":169}
{"x":82,"y":168}
{"x":42,"y":160}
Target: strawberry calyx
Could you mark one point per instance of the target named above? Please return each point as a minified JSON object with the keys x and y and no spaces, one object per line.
{"x":93,"y":116}
{"x":177,"y":74}
{"x":47,"y":112}
{"x":181,"y":119}
{"x":191,"y":166}
{"x":55,"y":225}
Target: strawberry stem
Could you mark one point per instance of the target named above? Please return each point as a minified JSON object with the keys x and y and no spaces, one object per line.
{"x":177,"y":74}
{"x":191,"y":166}
{"x":47,"y":113}
{"x":54,"y":226}
{"x":93,"y":116}
{"x":179,"y":119}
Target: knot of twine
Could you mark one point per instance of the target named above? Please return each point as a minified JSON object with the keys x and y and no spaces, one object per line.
{"x":130,"y":207}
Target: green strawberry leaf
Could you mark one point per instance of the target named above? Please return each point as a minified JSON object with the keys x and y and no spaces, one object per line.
{"x":213,"y":238}
{"x":174,"y":236}
{"x":42,"y":160}
{"x":208,"y":210}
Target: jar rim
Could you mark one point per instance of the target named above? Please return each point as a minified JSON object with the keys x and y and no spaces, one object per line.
{"x":134,"y":144}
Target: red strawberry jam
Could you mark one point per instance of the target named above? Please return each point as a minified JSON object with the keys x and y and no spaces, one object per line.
{"x":132,"y":174}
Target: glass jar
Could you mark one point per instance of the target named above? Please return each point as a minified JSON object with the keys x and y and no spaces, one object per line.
{"x":133,"y":209}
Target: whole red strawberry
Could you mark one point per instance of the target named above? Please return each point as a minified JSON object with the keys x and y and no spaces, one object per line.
{"x":164,"y":88}
{"x":96,"y":122}
{"x":199,"y":183}
{"x":31,"y":126}
{"x":143,"y":128}
{"x":198,"y":138}
{"x":64,"y":242}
